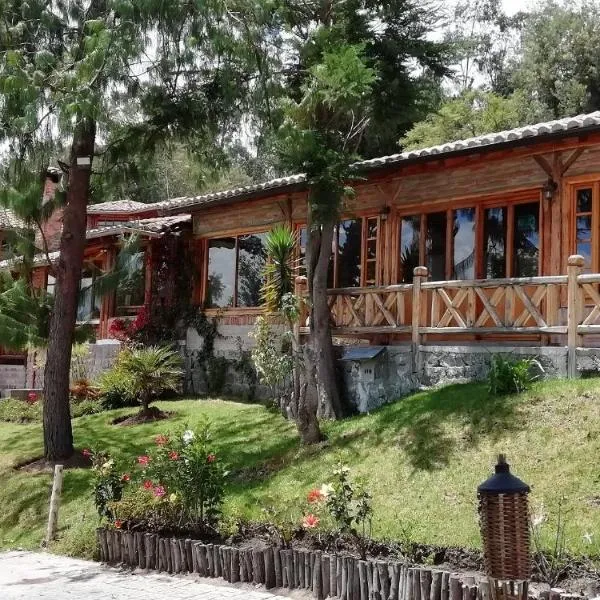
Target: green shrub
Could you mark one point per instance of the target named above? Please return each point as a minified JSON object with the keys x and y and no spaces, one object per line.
{"x":14,"y":410}
{"x":508,"y":376}
{"x":115,"y":390}
{"x":89,"y":406}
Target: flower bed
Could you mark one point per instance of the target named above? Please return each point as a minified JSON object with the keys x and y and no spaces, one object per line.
{"x":344,"y":577}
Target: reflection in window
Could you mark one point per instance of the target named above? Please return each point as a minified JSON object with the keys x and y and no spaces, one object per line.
{"x":221,"y":272}
{"x":583,"y":225}
{"x":494,"y":243}
{"x":252,"y":257}
{"x":371,"y":251}
{"x":435,"y":245}
{"x":463,"y":234}
{"x":410,"y":228}
{"x":131,"y":286}
{"x":88,"y":306}
{"x":50,"y":284}
{"x":526,"y":240}
{"x":349,"y":253}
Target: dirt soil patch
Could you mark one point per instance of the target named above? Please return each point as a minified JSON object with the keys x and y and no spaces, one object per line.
{"x":149,"y":416}
{"x":41,"y":465}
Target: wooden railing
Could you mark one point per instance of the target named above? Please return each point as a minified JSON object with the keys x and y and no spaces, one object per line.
{"x":563,"y":305}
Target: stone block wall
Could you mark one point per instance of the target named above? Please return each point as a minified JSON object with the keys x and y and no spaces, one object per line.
{"x":12,"y":377}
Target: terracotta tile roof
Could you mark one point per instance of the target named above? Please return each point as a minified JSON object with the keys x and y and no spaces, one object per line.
{"x":118,"y":206}
{"x":558,"y":128}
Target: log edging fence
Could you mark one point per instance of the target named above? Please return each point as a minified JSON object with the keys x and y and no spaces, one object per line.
{"x":324,"y":575}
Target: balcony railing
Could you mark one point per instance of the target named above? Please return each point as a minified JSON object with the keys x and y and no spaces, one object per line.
{"x":562,"y":305}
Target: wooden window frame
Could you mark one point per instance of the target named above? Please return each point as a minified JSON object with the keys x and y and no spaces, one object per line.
{"x":364,"y":217}
{"x":508,"y":201}
{"x":205,"y":262}
{"x":592,"y":183}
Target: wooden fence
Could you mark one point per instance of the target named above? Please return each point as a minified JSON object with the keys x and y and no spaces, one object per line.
{"x":567,"y":306}
{"x":322,"y":574}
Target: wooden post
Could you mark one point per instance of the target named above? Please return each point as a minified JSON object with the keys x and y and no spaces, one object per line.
{"x":574,"y":269}
{"x":54,"y":503}
{"x":420,"y":275}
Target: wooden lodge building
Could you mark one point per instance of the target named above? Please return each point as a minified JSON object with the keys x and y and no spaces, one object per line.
{"x":465,"y":245}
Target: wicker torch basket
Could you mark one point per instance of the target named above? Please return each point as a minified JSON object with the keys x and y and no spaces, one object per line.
{"x":504,"y":517}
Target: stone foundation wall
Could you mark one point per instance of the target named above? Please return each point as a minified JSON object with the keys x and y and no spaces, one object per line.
{"x":11,"y":377}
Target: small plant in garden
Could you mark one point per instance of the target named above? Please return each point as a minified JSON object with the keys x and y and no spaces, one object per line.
{"x":149,"y":372}
{"x":347,"y":503}
{"x":108,"y":482}
{"x":178,"y":482}
{"x":508,"y":376}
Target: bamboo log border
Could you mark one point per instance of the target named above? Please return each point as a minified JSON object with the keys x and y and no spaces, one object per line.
{"x":325,"y":575}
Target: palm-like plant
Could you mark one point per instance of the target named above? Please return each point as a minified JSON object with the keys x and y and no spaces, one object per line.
{"x":280,"y":245}
{"x":151,"y":371}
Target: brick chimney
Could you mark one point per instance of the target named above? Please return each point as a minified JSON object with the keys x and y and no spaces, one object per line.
{"x":53,"y":226}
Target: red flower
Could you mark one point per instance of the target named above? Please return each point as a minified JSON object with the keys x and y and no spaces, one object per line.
{"x":86,"y":453}
{"x":32,"y":398}
{"x":118,"y":523}
{"x":173,"y":455}
{"x":147,"y":485}
{"x":315,"y":496}
{"x":159,"y":491}
{"x":310,"y":521}
{"x":211,"y":458}
{"x":143,"y":460}
{"x":125,"y":477}
{"x":161,"y":440}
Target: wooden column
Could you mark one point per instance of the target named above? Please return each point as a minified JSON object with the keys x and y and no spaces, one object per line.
{"x":148,"y":265}
{"x":107,"y":308}
{"x":574,"y":295}
{"x":420,"y":275}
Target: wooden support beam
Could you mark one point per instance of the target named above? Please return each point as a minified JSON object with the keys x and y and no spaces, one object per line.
{"x":544,"y":164}
{"x":572,"y":159}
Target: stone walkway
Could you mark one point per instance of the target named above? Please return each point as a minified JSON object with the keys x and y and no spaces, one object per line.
{"x":28,"y":575}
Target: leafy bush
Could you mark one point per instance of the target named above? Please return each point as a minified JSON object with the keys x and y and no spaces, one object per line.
{"x":115,"y":389}
{"x":150,"y":372}
{"x":180,"y":482}
{"x":89,"y":406}
{"x":347,"y":502}
{"x":508,"y":376}
{"x":14,"y":410}
{"x":108,"y":482}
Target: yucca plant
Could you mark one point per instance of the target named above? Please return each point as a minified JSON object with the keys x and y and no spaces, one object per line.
{"x":280,"y":269}
{"x":151,"y":371}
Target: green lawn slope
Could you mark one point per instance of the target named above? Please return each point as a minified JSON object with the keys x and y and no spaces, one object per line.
{"x":422,"y":458}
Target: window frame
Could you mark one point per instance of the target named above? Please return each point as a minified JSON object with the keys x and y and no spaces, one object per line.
{"x":205,"y":263}
{"x":508,"y":201}
{"x":364,"y":218}
{"x":592,"y":183}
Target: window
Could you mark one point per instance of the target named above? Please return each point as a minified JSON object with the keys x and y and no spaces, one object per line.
{"x":583,"y":224}
{"x":132,"y":285}
{"x":235,"y":271}
{"x":88,"y":306}
{"x":355,"y":255}
{"x":463,"y":244}
{"x":50,"y":284}
{"x":453,"y":245}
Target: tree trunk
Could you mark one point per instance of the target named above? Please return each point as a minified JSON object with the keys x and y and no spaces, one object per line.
{"x":306,"y":418}
{"x":58,"y":435}
{"x":318,"y":251}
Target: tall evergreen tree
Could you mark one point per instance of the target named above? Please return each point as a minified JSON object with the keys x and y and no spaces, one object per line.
{"x":128,"y":73}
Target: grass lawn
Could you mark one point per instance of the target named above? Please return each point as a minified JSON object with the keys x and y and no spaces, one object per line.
{"x":421,"y":457}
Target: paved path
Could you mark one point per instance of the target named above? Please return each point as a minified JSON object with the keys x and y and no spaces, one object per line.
{"x":28,"y":576}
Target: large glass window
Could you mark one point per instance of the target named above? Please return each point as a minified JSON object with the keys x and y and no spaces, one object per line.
{"x":88,"y":306}
{"x":410,"y":236}
{"x":435,"y":245}
{"x":235,"y":271}
{"x":494,"y":243}
{"x":583,"y":224}
{"x":132,"y":284}
{"x":348,"y":255}
{"x":526,"y":240}
{"x":463,"y":245}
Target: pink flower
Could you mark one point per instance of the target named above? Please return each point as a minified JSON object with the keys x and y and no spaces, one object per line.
{"x":211,"y":458}
{"x":32,"y":397}
{"x":173,"y":455}
{"x":143,"y":460}
{"x":315,"y":496}
{"x":118,"y":523}
{"x":147,"y":485}
{"x":310,"y":521}
{"x":125,"y":477}
{"x":159,"y":491}
{"x":86,"y":453}
{"x":161,"y":440}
